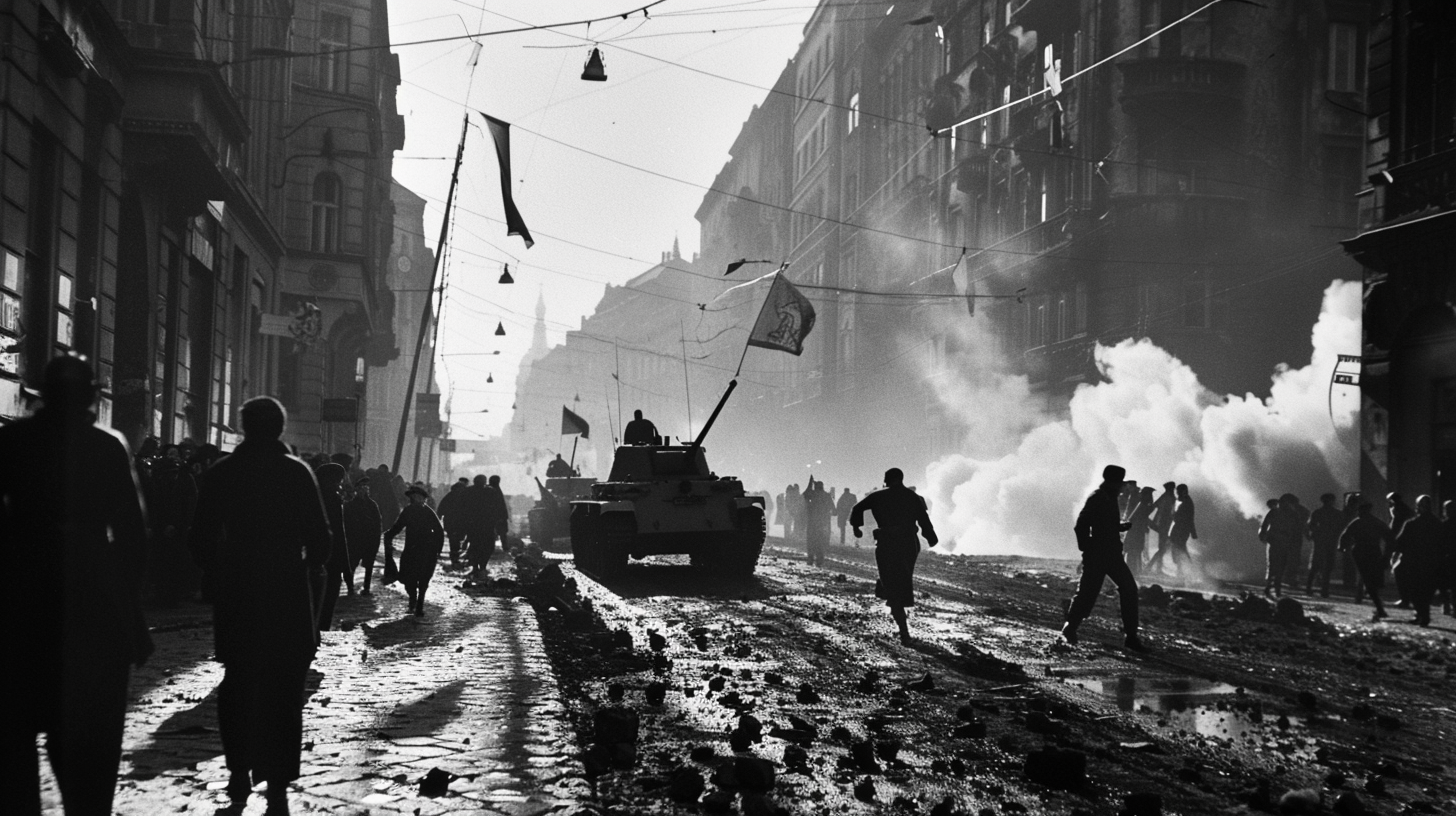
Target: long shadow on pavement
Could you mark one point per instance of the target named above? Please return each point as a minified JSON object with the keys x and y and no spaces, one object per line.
{"x":427,"y":715}
{"x":677,"y":580}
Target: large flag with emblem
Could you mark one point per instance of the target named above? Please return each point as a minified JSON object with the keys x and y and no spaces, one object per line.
{"x":786,"y":319}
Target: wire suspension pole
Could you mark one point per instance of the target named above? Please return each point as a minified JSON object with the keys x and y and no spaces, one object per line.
{"x":409,"y":393}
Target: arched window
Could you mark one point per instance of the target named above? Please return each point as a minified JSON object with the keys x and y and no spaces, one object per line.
{"x":327,"y":193}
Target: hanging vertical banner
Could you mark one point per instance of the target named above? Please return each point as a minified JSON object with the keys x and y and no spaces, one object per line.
{"x":501,"y":133}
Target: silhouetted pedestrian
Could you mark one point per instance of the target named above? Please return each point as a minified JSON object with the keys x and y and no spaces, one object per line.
{"x":1184,"y":528}
{"x":338,"y":572}
{"x":1324,"y":528}
{"x":1296,"y":553}
{"x":1400,"y":513}
{"x":1362,"y":539}
{"x":793,"y":502}
{"x":1416,"y":558}
{"x":1136,"y":540}
{"x":171,"y":500}
{"x":1448,"y":556}
{"x":262,"y":532}
{"x":363,"y":528}
{"x":424,"y":538}
{"x":75,"y":542}
{"x":1161,"y":523}
{"x":897,"y":510}
{"x":453,"y":515}
{"x":381,"y":488}
{"x":1280,"y":532}
{"x":1099,"y":527}
{"x":558,"y":467}
{"x":818,"y":510}
{"x":842,"y":510}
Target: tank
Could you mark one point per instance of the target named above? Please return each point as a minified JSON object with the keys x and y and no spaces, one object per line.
{"x":550,"y":518}
{"x":663,"y":499}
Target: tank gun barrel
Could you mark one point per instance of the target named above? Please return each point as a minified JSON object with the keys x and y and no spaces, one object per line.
{"x":698,"y":443}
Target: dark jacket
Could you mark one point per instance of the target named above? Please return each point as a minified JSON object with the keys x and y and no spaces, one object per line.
{"x":362,"y":526}
{"x":339,"y":551}
{"x":451,"y":509}
{"x":1325,"y":525}
{"x":897,"y":512}
{"x":1183,"y":526}
{"x":1419,"y":546}
{"x":1099,"y":525}
{"x":845,"y":506}
{"x":423,"y":539}
{"x":73,"y":594}
{"x":260,"y":528}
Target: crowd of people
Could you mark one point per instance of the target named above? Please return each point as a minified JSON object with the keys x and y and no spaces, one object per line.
{"x":809,"y":516}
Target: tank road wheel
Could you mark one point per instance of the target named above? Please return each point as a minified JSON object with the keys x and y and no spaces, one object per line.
{"x":617,"y":530}
{"x":742,"y":555}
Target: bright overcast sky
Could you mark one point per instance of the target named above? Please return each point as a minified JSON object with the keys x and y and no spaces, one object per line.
{"x":652,"y":112}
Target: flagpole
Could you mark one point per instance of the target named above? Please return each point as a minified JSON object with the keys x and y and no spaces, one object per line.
{"x":780,"y":271}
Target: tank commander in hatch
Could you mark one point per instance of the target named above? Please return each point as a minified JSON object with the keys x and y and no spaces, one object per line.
{"x":640,"y":431}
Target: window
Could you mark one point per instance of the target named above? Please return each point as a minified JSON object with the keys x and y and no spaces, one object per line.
{"x":326,"y":195}
{"x":359,"y":370}
{"x":333,"y":58}
{"x":853,"y":112}
{"x":1344,"y":42}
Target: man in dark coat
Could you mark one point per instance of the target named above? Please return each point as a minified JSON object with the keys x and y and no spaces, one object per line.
{"x":74,"y":539}
{"x":1099,"y":531}
{"x":1183,"y":529}
{"x":1280,"y":532}
{"x":842,"y":509}
{"x":423,"y":540}
{"x":638,"y":432}
{"x":475,"y":508}
{"x":339,"y":570}
{"x":452,"y":515}
{"x":818,"y":509}
{"x":262,"y":531}
{"x":362,"y":527}
{"x":1324,"y":527}
{"x":1362,"y":539}
{"x":1161,"y":522}
{"x":171,"y":500}
{"x":897,"y":510}
{"x":1417,"y":558}
{"x":383,"y":489}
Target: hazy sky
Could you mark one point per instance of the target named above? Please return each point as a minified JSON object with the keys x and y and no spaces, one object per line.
{"x":652,"y":112}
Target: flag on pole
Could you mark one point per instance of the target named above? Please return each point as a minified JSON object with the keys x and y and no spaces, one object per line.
{"x":961,"y":275}
{"x":501,"y":133}
{"x":786,"y":319}
{"x":573,"y":424}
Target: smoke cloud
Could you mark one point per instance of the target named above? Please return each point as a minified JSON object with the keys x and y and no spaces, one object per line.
{"x":1022,"y":473}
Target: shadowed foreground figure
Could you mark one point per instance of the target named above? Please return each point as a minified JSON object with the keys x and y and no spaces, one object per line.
{"x":1362,"y":539}
{"x":897,"y":510}
{"x":262,"y":531}
{"x":1098,"y":537}
{"x":75,"y":620}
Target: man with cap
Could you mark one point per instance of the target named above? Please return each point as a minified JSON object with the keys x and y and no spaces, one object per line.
{"x":1099,"y":528}
{"x":423,"y":540}
{"x":897,"y":510}
{"x":75,"y":548}
{"x":362,"y":528}
{"x":262,"y":532}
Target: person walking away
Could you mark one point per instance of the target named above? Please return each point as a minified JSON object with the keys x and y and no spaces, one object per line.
{"x":330,"y":476}
{"x":381,"y":487}
{"x":1099,"y":528}
{"x":1183,"y":529}
{"x":1280,"y":531}
{"x":362,"y":528}
{"x":452,"y":515}
{"x":897,"y":511}
{"x":1162,"y":522}
{"x":842,"y":510}
{"x":474,"y":510}
{"x":75,"y":542}
{"x":792,"y":525}
{"x":500,"y":515}
{"x":1296,"y":553}
{"x":1325,"y":525}
{"x":1362,"y":539}
{"x":1136,"y":540}
{"x":1350,"y":576}
{"x":423,"y":540}
{"x":818,"y":508}
{"x":1448,"y":556}
{"x":1416,"y":560}
{"x":1400,"y":513}
{"x":262,"y":532}
{"x":171,"y":501}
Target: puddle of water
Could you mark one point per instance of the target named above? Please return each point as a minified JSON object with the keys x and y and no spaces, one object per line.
{"x":1186,"y":704}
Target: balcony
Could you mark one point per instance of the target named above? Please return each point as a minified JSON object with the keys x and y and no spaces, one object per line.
{"x":1424,"y":184}
{"x":974,"y":167}
{"x":1179,"y":85}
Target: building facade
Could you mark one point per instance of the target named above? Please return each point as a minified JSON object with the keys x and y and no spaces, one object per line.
{"x":1405,"y":244}
{"x":165,"y":214}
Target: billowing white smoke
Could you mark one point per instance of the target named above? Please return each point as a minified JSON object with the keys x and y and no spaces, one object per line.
{"x":1153,"y":417}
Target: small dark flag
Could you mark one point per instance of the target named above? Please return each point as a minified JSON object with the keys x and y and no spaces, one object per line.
{"x":735,"y":265}
{"x":786,"y":319}
{"x":501,"y":133}
{"x":573,"y":424}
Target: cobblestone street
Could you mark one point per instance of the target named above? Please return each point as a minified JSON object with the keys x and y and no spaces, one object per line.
{"x":466,"y":689}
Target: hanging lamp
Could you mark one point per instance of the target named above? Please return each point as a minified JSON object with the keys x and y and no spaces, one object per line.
{"x":594,"y":71}
{"x":506,"y":274}
{"x":490,"y":378}
{"x":500,"y":329}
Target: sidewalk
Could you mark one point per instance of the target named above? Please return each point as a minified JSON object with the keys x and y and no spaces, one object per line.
{"x":467,"y":689}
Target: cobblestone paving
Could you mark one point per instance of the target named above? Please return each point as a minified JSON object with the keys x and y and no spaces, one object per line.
{"x":466,"y":689}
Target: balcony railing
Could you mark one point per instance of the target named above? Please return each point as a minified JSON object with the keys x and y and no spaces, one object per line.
{"x":1213,"y":85}
{"x":1419,"y":185}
